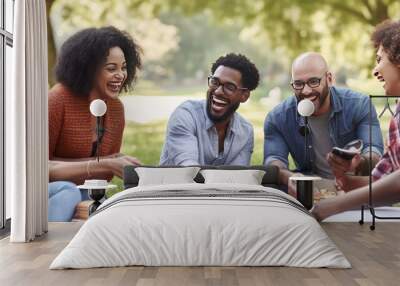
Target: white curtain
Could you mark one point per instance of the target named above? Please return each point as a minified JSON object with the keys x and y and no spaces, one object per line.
{"x":26,"y":123}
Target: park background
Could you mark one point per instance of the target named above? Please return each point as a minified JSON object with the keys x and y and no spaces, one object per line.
{"x":182,"y":38}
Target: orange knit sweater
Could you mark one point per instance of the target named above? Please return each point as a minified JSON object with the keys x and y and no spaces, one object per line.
{"x":71,"y":127}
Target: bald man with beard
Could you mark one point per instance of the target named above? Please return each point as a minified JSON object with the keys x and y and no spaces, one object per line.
{"x":340,"y":116}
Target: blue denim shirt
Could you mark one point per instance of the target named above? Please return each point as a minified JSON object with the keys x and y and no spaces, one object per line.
{"x":349,"y":120}
{"x":192,"y":138}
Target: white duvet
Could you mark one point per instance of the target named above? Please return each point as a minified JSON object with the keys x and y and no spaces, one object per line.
{"x":183,"y":230}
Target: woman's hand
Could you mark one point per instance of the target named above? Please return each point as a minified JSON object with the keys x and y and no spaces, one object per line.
{"x":134,"y":161}
{"x":325,"y":208}
{"x":116,"y":164}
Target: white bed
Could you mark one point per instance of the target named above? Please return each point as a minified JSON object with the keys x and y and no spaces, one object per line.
{"x":201,"y":224}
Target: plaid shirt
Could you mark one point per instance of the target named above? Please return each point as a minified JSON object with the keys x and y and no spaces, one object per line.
{"x":390,"y":160}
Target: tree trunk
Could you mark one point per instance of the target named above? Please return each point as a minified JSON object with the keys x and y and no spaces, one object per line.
{"x":51,"y":47}
{"x":381,"y":12}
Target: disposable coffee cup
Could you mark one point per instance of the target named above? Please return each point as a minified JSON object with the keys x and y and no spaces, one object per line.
{"x":96,"y":185}
{"x":304,"y":189}
{"x":96,"y":191}
{"x":96,"y":188}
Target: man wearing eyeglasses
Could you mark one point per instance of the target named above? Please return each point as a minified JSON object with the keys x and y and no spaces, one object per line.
{"x":340,"y":116}
{"x":211,"y":132}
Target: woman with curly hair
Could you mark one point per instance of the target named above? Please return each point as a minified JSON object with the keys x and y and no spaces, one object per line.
{"x":386,"y":174}
{"x":95,"y":63}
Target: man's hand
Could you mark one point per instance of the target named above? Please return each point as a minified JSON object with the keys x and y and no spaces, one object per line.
{"x":292,"y":185}
{"x":341,"y":166}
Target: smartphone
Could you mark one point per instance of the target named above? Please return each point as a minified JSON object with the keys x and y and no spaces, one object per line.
{"x":349,"y":151}
{"x":344,"y":154}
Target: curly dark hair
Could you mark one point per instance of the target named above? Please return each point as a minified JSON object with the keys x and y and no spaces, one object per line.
{"x":387,"y":34}
{"x":84,"y":53}
{"x":248,"y":70}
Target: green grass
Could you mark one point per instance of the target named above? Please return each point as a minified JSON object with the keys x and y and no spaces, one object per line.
{"x":143,"y":141}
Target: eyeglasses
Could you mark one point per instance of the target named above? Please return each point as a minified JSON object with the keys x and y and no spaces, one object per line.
{"x":311,"y":82}
{"x":228,"y":88}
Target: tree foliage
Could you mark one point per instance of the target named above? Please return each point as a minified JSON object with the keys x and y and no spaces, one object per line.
{"x":338,"y":29}
{"x":156,"y":38}
{"x":202,"y":41}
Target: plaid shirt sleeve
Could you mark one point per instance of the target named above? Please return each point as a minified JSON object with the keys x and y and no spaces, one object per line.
{"x":390,"y":161}
{"x":383,"y":168}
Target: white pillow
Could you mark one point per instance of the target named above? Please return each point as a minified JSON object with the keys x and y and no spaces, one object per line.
{"x":166,"y":176}
{"x":248,"y":177}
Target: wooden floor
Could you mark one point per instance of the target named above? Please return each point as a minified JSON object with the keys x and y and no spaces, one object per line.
{"x":374,"y":255}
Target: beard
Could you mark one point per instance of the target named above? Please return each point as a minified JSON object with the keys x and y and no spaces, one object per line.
{"x":324,"y":95}
{"x":320,"y":97}
{"x":231,"y":108}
